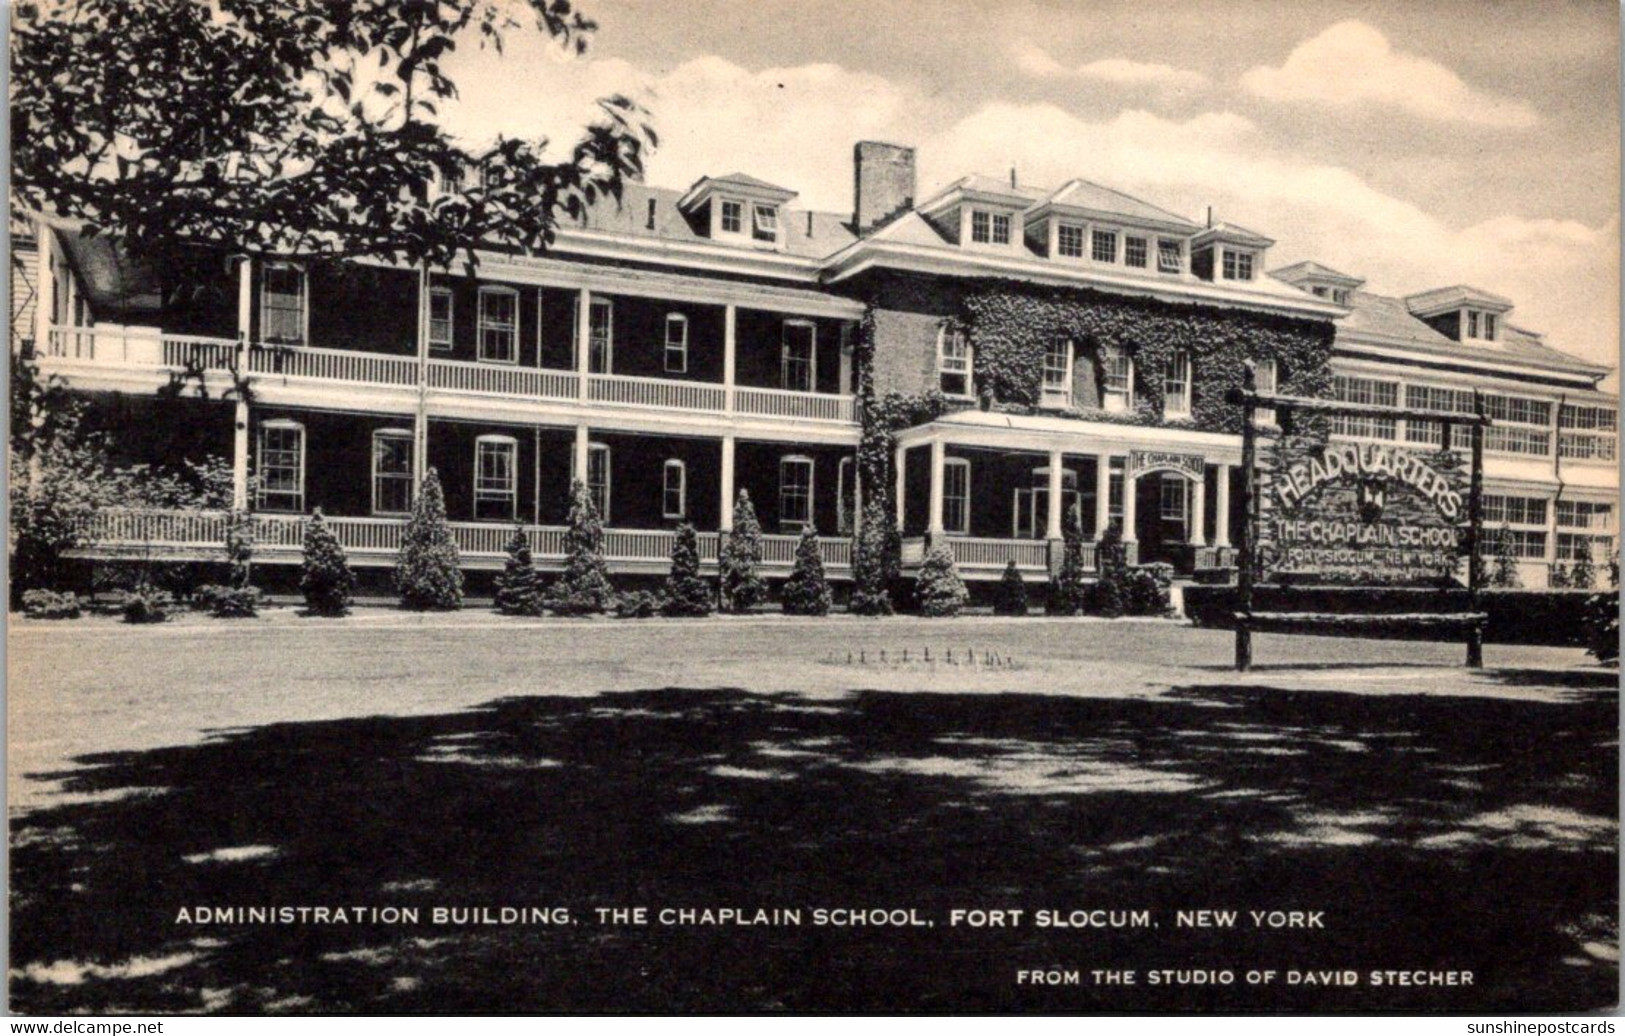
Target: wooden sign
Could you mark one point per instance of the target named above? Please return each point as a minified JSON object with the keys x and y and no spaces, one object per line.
{"x":1140,"y":462}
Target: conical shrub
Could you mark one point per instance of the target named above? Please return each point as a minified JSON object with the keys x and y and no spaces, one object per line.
{"x":325,"y":577}
{"x":687,"y":592}
{"x":941,"y":592}
{"x":806,"y":592}
{"x":741,"y":584}
{"x":519,"y":587}
{"x":584,"y":588}
{"x":1011,"y":597}
{"x":428,"y":576}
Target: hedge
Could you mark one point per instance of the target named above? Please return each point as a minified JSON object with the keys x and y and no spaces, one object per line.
{"x":1548,"y":617}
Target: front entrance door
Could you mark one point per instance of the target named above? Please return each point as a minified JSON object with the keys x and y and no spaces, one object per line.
{"x":1162,"y":505}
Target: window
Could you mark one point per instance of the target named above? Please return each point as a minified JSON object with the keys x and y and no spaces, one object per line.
{"x":1340,"y":296}
{"x":392,"y":471}
{"x":282,"y":305}
{"x":1134,"y":251}
{"x":1572,"y":545}
{"x":1525,"y":543}
{"x":1058,"y":370}
{"x":1117,"y":384}
{"x":1589,"y":433}
{"x":1238,"y":266}
{"x":1321,"y":290}
{"x":1114,"y":491}
{"x":1176,"y":385}
{"x":1173,"y":498}
{"x":766,"y":224}
{"x":1170,"y":255}
{"x":795,"y":492}
{"x":496,"y":483}
{"x":733,"y":217}
{"x":1489,"y":327}
{"x":1509,"y":413}
{"x":798,"y":356}
{"x":954,"y":362}
{"x":1103,"y":246}
{"x":601,"y":337}
{"x":282,"y":466}
{"x":1516,"y":510}
{"x":674,"y":490}
{"x":440,"y":319}
{"x":676,"y":343}
{"x":450,"y":180}
{"x":846,"y":496}
{"x":989,"y":228}
{"x":1430,"y":397}
{"x":499,"y":325}
{"x":956,"y":495}
{"x":1348,"y":389}
{"x":598,"y":479}
{"x":1069,"y":240}
{"x":1472,"y":323}
{"x":1265,"y":382}
{"x":1583,"y":514}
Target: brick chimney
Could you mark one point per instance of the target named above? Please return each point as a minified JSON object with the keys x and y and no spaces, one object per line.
{"x":882,"y":183}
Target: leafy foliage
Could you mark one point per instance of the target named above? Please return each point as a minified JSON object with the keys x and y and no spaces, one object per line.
{"x":1109,"y":595}
{"x":1146,"y":590}
{"x":48,"y":604}
{"x":1583,"y":576}
{"x":325,"y":577}
{"x":584,"y":587}
{"x":1504,"y":566}
{"x":1559,"y":579}
{"x":146,"y":605}
{"x":806,"y":592}
{"x":304,"y":128}
{"x":687,"y":592}
{"x":1602,"y":625}
{"x":428,"y":576}
{"x":742,"y":586}
{"x":873,"y":566}
{"x":941,"y":592}
{"x":519,"y":587}
{"x":1011,"y":596}
{"x":1068,"y":593}
{"x":639,"y":604}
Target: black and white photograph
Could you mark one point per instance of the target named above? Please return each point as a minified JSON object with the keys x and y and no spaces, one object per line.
{"x":798,"y":507}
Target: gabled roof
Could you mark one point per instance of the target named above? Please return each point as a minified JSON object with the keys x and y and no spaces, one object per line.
{"x":1085,"y":198}
{"x":980,"y":188}
{"x":734,"y":183}
{"x":1234,"y":234}
{"x":1383,"y":320}
{"x":632,"y":217}
{"x":1309,"y":270}
{"x":1439,"y":300}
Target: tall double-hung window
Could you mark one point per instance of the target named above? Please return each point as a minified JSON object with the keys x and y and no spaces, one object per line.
{"x":496,"y":478}
{"x":283,"y":300}
{"x":798,"y":356}
{"x":282,"y":466}
{"x":1176,"y":385}
{"x":392,"y":471}
{"x":499,"y":325}
{"x":953,"y":362}
{"x":1058,"y":371}
{"x":795,"y":492}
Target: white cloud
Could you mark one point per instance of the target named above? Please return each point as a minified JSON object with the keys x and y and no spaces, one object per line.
{"x":1036,"y":61}
{"x":1352,"y":63}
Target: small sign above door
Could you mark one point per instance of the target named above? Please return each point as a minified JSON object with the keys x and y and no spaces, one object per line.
{"x":1140,"y":462}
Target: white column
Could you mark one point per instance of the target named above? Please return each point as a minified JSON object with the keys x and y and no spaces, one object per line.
{"x":725,"y":521}
{"x":844,"y":387}
{"x":1221,"y":518}
{"x":1129,"y":507}
{"x":583,"y":345}
{"x":1052,"y":524}
{"x":420,"y":418}
{"x":46,"y":287}
{"x":900,"y":480}
{"x":857,"y":498}
{"x":1196,"y":536}
{"x":583,"y":441}
{"x":1103,"y":494}
{"x":939,"y":453}
{"x":239,"y":440}
{"x":730,"y":353}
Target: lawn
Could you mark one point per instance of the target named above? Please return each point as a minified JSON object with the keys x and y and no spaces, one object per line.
{"x":1441,"y":820}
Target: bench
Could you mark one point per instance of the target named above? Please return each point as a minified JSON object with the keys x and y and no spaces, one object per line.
{"x":1469,"y":624}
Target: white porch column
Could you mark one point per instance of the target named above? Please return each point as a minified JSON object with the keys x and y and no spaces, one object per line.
{"x":1129,"y":507}
{"x":420,"y":418}
{"x":857,"y":499}
{"x":583,"y":441}
{"x":725,"y":521}
{"x":730,"y":353}
{"x":900,"y":477}
{"x":1052,"y":523}
{"x":1221,"y":518}
{"x":239,"y":438}
{"x":844,"y":388}
{"x":1103,"y":494}
{"x":583,"y":346}
{"x":45,"y":287}
{"x":1196,"y":535}
{"x":939,"y":453}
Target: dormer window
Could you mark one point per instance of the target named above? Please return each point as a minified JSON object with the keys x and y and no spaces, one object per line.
{"x":1170,"y":255}
{"x":1480,"y":325}
{"x":765,"y":226}
{"x":1134,"y":252}
{"x":1103,"y":246}
{"x":732,"y":219}
{"x":1341,"y":296}
{"x":1238,"y":266}
{"x":989,"y":228}
{"x":1069,"y":241}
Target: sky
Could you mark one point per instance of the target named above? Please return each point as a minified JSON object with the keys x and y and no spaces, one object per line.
{"x":1416,"y":144}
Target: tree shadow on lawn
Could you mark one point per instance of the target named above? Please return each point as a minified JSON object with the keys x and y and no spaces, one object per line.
{"x":1434,"y":833}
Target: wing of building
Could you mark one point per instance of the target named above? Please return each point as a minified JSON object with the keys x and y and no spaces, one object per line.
{"x":1043,"y":351}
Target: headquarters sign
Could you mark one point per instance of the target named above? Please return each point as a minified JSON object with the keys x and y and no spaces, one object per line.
{"x":1363,"y":513}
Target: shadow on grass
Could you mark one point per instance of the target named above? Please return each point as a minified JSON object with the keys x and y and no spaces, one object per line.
{"x":1434,"y":833}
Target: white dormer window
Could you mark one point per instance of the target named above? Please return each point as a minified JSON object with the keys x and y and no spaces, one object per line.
{"x":1472,"y":323}
{"x":1489,"y":327}
{"x":765,"y":225}
{"x":989,"y":228}
{"x":1238,"y":266}
{"x":1134,"y":252}
{"x":953,"y":363}
{"x":1069,"y":241}
{"x":1170,"y":255}
{"x":1340,"y":296}
{"x":1480,"y":325}
{"x":731,"y":219}
{"x":1058,"y":372}
{"x":1103,"y":246}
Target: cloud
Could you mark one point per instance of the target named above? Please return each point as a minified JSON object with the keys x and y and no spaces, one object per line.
{"x":1036,"y":61}
{"x":1352,"y":64}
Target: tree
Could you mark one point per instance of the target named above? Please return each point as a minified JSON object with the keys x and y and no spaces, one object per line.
{"x":325,"y":578}
{"x":1559,"y":579}
{"x":1583,"y":576}
{"x":519,"y":587}
{"x":687,"y":592}
{"x":1011,"y":597}
{"x":941,"y":592}
{"x":428,"y":576}
{"x":871,"y":565}
{"x":741,"y":584}
{"x":806,"y":592}
{"x":584,"y":588}
{"x":301,"y":128}
{"x":1504,"y":570}
{"x":1111,"y":582}
{"x":1068,"y":593}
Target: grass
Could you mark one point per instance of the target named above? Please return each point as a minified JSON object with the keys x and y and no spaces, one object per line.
{"x":1441,"y":821}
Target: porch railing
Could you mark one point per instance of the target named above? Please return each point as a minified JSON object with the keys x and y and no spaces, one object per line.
{"x":335,"y":365}
{"x":803,"y":406}
{"x":656,"y":392}
{"x":137,"y":348}
{"x":496,"y":380}
{"x":980,"y":555}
